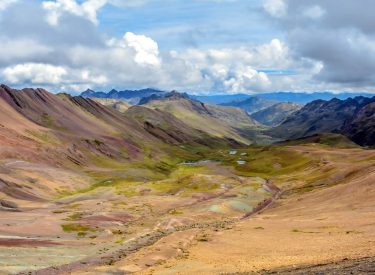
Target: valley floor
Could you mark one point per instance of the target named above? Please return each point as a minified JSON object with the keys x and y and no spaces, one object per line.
{"x":325,"y":214}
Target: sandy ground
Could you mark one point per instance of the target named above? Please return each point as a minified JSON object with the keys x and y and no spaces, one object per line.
{"x":332,"y":222}
{"x":317,"y":227}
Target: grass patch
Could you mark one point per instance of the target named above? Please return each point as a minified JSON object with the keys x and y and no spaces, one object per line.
{"x":44,"y":137}
{"x":270,"y":161}
{"x":75,"y":227}
{"x":175,"y":212}
{"x":74,"y":216}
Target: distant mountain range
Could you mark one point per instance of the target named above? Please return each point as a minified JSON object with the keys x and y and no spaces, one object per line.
{"x":220,"y":99}
{"x":244,"y":101}
{"x":304,"y":98}
{"x":252,"y":104}
{"x":131,"y":96}
{"x":294,"y":97}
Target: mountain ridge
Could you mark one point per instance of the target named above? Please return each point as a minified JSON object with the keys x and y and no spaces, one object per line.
{"x":333,"y":116}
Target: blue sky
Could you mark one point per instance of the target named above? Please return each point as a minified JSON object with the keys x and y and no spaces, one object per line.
{"x":180,"y":24}
{"x":197,"y":46}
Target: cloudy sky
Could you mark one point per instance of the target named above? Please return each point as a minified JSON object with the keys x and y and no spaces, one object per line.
{"x":199,"y":46}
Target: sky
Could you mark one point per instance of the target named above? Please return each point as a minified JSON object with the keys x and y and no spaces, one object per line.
{"x":196,"y":46}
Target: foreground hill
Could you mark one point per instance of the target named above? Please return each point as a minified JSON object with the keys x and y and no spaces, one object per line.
{"x":351,"y":117}
{"x":218,"y":121}
{"x":75,"y":134}
{"x":275,"y":114}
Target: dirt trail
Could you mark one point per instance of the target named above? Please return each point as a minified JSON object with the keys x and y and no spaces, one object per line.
{"x":130,"y":247}
{"x":276,"y":194}
{"x":150,"y":238}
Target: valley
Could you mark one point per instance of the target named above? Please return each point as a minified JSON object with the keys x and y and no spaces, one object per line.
{"x":173,"y":186}
{"x":172,"y":137}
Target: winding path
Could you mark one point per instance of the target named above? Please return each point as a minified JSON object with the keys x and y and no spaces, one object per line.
{"x":147,"y":239}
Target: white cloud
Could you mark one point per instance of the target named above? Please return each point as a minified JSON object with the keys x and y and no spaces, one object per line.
{"x":239,"y":69}
{"x":276,"y":8}
{"x":246,"y":79}
{"x":135,"y":61}
{"x":88,"y":9}
{"x":34,"y":73}
{"x":46,"y":74}
{"x":146,"y":50}
{"x":6,"y":3}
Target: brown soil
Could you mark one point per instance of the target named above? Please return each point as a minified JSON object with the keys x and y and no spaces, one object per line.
{"x":303,"y":233}
{"x":26,"y":242}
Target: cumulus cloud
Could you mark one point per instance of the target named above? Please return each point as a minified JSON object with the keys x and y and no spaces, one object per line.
{"x":34,"y":73}
{"x":87,"y":9}
{"x":146,"y":50}
{"x":240,"y":69}
{"x":71,"y":54}
{"x":47,"y":75}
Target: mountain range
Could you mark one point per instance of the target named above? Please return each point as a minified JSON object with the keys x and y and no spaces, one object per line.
{"x":341,"y":113}
{"x":353,"y":117}
{"x":132,"y":96}
{"x":295,"y":97}
{"x":252,"y":104}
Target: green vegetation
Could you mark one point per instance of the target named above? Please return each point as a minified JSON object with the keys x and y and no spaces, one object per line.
{"x":175,"y":212}
{"x":98,"y":142}
{"x":75,"y":227}
{"x":44,"y":137}
{"x":162,"y":173}
{"x":325,"y":139}
{"x":49,"y":122}
{"x":74,"y":216}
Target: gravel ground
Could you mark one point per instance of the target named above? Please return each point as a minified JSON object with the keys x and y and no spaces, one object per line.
{"x":345,"y":267}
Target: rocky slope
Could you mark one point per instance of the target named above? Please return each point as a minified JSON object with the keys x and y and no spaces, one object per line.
{"x":219,"y":121}
{"x":74,"y":134}
{"x":351,"y":117}
{"x":361,"y":127}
